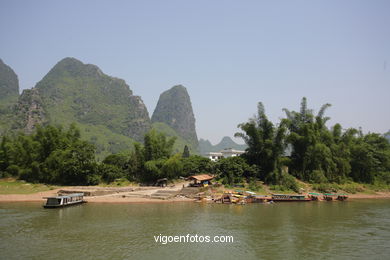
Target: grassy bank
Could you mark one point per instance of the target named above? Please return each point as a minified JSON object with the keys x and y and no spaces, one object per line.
{"x":12,"y":186}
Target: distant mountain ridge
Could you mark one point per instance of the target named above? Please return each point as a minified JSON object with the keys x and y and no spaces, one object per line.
{"x":74,"y":91}
{"x":103,"y":107}
{"x":205,"y":146}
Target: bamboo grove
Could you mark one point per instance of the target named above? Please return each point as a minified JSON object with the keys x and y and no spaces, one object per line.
{"x":312,"y":152}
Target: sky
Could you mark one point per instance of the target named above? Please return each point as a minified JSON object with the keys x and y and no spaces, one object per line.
{"x":228,"y":54}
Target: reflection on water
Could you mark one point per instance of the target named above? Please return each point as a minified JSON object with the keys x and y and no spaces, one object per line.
{"x":317,"y":230}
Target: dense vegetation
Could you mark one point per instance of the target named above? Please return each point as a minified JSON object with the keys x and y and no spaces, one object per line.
{"x":49,"y":155}
{"x":318,"y":154}
{"x":54,"y":155}
{"x":299,"y":147}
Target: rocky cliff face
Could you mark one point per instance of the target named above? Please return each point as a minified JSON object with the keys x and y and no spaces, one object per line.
{"x":76,"y":92}
{"x":140,"y":122}
{"x":174,"y":108}
{"x":29,"y":111}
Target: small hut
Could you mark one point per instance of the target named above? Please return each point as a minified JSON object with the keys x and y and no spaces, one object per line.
{"x":202,"y":180}
{"x":162,"y":182}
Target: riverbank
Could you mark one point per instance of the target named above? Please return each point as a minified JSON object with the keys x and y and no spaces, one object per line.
{"x":377,"y":195}
{"x":98,"y":194}
{"x":117,"y":198}
{"x":12,"y":190}
{"x":139,"y":197}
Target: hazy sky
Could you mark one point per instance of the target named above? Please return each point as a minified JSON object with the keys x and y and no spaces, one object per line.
{"x":229,"y":54}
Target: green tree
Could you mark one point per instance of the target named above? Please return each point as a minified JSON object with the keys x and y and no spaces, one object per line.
{"x":110,"y":173}
{"x":196,"y":164}
{"x":173,"y":167}
{"x":50,"y":155}
{"x":370,"y":157}
{"x":157,"y":145}
{"x":186,"y":152}
{"x":318,"y":154}
{"x":266,"y":143}
{"x":232,"y":170}
{"x":147,"y":161}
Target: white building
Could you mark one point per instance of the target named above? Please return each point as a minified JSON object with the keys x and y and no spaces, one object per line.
{"x":226,"y":153}
{"x":214,"y":156}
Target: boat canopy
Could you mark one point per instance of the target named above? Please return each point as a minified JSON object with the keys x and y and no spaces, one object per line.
{"x":66,"y":196}
{"x":290,"y":195}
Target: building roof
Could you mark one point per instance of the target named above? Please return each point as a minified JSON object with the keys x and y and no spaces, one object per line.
{"x":230,"y":150}
{"x":214,"y":153}
{"x":201,"y":177}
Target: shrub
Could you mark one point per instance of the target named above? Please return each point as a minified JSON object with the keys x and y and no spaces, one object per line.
{"x":317,"y":176}
{"x":13,"y":170}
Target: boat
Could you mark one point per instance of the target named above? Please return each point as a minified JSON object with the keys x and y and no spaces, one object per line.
{"x":314,"y":196}
{"x":63,"y":201}
{"x":289,"y":198}
{"x":329,"y":196}
{"x":342,"y":197}
{"x":261,"y":199}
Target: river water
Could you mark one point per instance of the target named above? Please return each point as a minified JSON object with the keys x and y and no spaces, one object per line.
{"x":314,"y":230}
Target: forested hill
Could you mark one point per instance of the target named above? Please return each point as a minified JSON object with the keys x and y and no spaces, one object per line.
{"x":9,"y":83}
{"x":73,"y":91}
{"x":205,"y":146}
{"x":103,"y":107}
{"x":9,"y":93}
{"x":174,"y":109}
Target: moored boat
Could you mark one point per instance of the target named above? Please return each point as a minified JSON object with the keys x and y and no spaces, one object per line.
{"x":261,"y":199}
{"x":342,"y":197}
{"x":314,"y":196}
{"x":329,"y":196}
{"x":288,"y":197}
{"x":63,"y":201}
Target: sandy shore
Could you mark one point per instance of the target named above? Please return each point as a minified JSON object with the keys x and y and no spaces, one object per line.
{"x":377,"y":195}
{"x":119,"y":195}
{"x":139,"y":197}
{"x":39,"y":197}
{"x":34,"y":197}
{"x":134,"y":200}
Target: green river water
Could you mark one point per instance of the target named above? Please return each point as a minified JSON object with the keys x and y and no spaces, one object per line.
{"x":315,"y":230}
